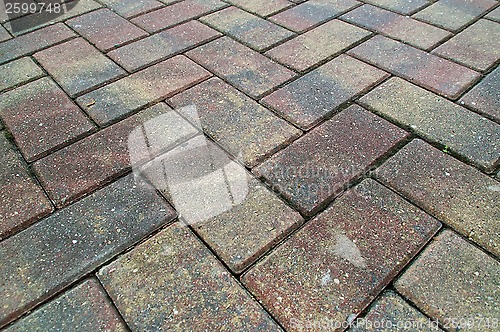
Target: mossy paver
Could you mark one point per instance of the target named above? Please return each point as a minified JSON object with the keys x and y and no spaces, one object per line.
{"x":336,"y":265}
{"x":19,"y":72}
{"x":485,"y":96}
{"x":131,"y":8}
{"x":404,"y":7}
{"x":262,"y":7}
{"x":456,"y":283}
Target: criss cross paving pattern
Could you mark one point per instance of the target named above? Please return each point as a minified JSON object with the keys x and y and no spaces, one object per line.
{"x":366,"y":132}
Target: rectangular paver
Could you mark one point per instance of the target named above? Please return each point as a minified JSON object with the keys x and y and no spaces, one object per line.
{"x":316,"y":95}
{"x":432,"y":72}
{"x":4,"y":34}
{"x":334,"y":267}
{"x":262,"y":7}
{"x":118,"y":99}
{"x":131,"y":8}
{"x":246,"y":69}
{"x":42,"y":118}
{"x":484,"y":97}
{"x":457,"y":194}
{"x":318,"y":166}
{"x":316,"y":45}
{"x":438,"y":120}
{"x":404,"y":7}
{"x":171,"y":278}
{"x":62,"y":248}
{"x":19,"y":72}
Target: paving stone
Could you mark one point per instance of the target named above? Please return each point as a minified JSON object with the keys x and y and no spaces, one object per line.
{"x":318,"y":166}
{"x":249,"y":29}
{"x":248,"y":70}
{"x":96,"y":160}
{"x":432,"y":72}
{"x":240,"y":125}
{"x":312,"y":13}
{"x":262,"y":7}
{"x":177,"y":13}
{"x":399,"y":27}
{"x":171,"y":278}
{"x":23,"y":201}
{"x":131,"y":8}
{"x":391,"y":313}
{"x":478,"y":46}
{"x":308,"y":100}
{"x":454,"y":281}
{"x":32,"y":42}
{"x":162,"y":45}
{"x":485,"y":97}
{"x":4,"y":34}
{"x":337,"y":264}
{"x":62,"y":248}
{"x":316,"y":45}
{"x":455,"y":193}
{"x":494,"y":15}
{"x":83,"y":308}
{"x":127,"y":95}
{"x":19,"y":72}
{"x":404,"y":7}
{"x":454,"y":14}
{"x":105,"y":29}
{"x":438,"y":120}
{"x":42,"y":118}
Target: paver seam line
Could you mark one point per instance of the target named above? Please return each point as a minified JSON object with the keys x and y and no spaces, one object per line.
{"x":292,"y":5}
{"x":488,"y":70}
{"x":110,"y":300}
{"x":392,"y":10}
{"x":30,"y":80}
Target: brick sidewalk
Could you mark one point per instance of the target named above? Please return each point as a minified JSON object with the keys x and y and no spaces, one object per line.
{"x":359,"y":147}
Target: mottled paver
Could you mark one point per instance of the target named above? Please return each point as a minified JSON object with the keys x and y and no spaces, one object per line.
{"x":314,"y":46}
{"x":399,"y":27}
{"x":404,"y":7}
{"x":23,"y":201}
{"x":83,"y":308}
{"x":314,"y":96}
{"x":262,"y":7}
{"x":454,"y":281}
{"x":4,"y":34}
{"x":239,"y":124}
{"x":478,"y":46}
{"x":172,"y":278}
{"x":455,"y":193}
{"x":62,"y":248}
{"x":432,"y":72}
{"x":19,"y":72}
{"x":335,"y":266}
{"x":437,"y":119}
{"x":248,"y":70}
{"x":494,"y":15}
{"x":485,"y":97}
{"x":131,"y":8}
{"x":317,"y":167}
{"x":249,"y":29}
{"x":42,"y":118}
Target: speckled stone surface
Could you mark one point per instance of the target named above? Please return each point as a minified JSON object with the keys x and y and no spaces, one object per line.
{"x":308,"y":100}
{"x":247,"y":130}
{"x":84,"y":308}
{"x":4,"y":34}
{"x":118,"y":99}
{"x":23,"y":201}
{"x":262,"y":7}
{"x":462,"y":131}
{"x":485,"y":96}
{"x":455,"y":193}
{"x":304,"y":51}
{"x":248,"y":70}
{"x":454,"y":282}
{"x":19,"y":72}
{"x":335,"y":266}
{"x":316,"y":168}
{"x":162,"y":45}
{"x":494,"y":15}
{"x":173,"y":283}
{"x":131,"y":8}
{"x":44,"y":106}
{"x":72,"y":242}
{"x":404,"y":7}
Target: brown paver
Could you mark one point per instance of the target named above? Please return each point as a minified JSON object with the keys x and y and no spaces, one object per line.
{"x":105,"y":29}
{"x":314,"y":96}
{"x":438,"y":120}
{"x":251,"y":30}
{"x":131,"y":8}
{"x":316,"y":45}
{"x":23,"y":201}
{"x":248,"y":70}
{"x":18,"y":72}
{"x":172,"y":278}
{"x":262,"y":7}
{"x":404,"y":7}
{"x":64,"y":247}
{"x":239,"y":124}
{"x":336,"y":265}
{"x":456,"y":283}
{"x":432,"y":72}
{"x":162,"y":45}
{"x":318,"y":166}
{"x":42,"y":118}
{"x":399,"y":27}
{"x":125,"y":96}
{"x":453,"y":192}
{"x":478,"y":46}
{"x":83,"y":308}
{"x":485,"y":97}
